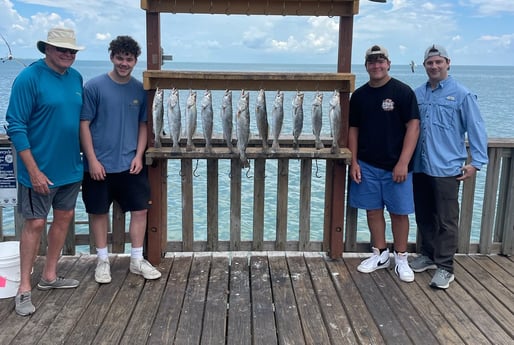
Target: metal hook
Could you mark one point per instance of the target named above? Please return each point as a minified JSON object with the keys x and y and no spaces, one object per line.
{"x":228,"y":7}
{"x":210,"y":8}
{"x":299,"y":8}
{"x":330,"y":15}
{"x":248,"y":171}
{"x":191,"y":8}
{"x":284,"y":8}
{"x":248,"y":8}
{"x":317,"y":169}
{"x":267,"y":8}
{"x":195,"y":169}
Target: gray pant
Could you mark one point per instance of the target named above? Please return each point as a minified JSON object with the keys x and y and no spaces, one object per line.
{"x":437,"y":216}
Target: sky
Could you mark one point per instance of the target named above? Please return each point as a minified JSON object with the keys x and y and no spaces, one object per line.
{"x":475,"y":32}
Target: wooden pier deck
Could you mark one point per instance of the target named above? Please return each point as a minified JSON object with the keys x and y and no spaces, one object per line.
{"x":268,"y":298}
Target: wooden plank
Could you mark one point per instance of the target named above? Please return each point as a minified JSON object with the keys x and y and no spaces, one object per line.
{"x":239,"y":330}
{"x":488,"y":208}
{"x":165,"y":326}
{"x":289,"y":326}
{"x":35,"y":326}
{"x":235,"y":204}
{"x":478,"y":283}
{"x":257,"y":7}
{"x":212,"y":204}
{"x":282,"y":200}
{"x":466,"y":214}
{"x":202,"y":80}
{"x":332,"y":309}
{"x":188,"y":331}
{"x":373,"y":295}
{"x":305,"y":205}
{"x":313,"y":326}
{"x":454,"y":316}
{"x":115,"y":325}
{"x":263,"y":316}
{"x":434,"y":319}
{"x":118,"y":229}
{"x":252,"y":152}
{"x":408,"y":317}
{"x":96,"y":311}
{"x":502,"y":269}
{"x":508,"y":225}
{"x":215,"y":319}
{"x":144,"y":312}
{"x":477,"y":304}
{"x":259,"y":183}
{"x":186,"y":171}
{"x":66,"y":318}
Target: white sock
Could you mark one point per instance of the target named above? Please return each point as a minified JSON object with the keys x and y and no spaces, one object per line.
{"x":136,"y":253}
{"x":102,"y":253}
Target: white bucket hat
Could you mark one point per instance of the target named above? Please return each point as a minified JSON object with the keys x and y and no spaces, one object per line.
{"x":59,"y":37}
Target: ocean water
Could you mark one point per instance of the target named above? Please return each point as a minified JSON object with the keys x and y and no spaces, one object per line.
{"x":492,"y":84}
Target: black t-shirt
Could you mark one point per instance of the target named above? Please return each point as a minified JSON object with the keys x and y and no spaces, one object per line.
{"x":381,"y":115}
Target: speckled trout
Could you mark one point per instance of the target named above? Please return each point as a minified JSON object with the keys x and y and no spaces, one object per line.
{"x":157,"y":116}
{"x":190,"y":119}
{"x":261,"y":117}
{"x":317,"y":119}
{"x":297,"y":118}
{"x":174,"y":118}
{"x":335,"y":121}
{"x":207,"y":118}
{"x":243,"y":127}
{"x":277,"y":119}
{"x":227,"y":118}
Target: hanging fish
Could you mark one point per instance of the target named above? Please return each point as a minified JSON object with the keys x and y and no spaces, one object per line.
{"x":261,"y":117}
{"x":243,"y":127}
{"x":157,"y":116}
{"x":317,"y":119}
{"x":207,"y":119}
{"x":174,"y":118}
{"x":227,"y":118}
{"x":277,"y":118}
{"x":297,"y":118}
{"x":335,"y":121}
{"x":191,"y":119}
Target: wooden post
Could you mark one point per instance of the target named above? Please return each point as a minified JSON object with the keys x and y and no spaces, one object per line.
{"x":336,"y":170}
{"x":157,"y":172}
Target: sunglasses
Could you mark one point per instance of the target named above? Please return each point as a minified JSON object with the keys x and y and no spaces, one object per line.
{"x":64,"y":50}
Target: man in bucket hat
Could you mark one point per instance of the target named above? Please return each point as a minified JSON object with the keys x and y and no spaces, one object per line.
{"x":43,"y":124}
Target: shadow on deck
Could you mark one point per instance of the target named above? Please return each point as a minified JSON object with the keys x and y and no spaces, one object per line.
{"x":268,"y":298}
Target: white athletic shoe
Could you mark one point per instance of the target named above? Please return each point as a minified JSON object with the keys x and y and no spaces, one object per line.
{"x":375,"y":261}
{"x":402,"y":268}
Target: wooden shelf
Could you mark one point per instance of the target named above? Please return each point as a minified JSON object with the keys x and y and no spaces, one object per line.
{"x":345,"y":82}
{"x":252,"y":153}
{"x":328,"y":8}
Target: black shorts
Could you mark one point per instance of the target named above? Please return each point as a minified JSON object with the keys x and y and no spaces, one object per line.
{"x":132,"y":192}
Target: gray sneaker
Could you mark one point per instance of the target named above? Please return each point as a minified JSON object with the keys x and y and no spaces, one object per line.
{"x":422,"y":263}
{"x":23,"y":302}
{"x":442,"y":279}
{"x":57,"y":283}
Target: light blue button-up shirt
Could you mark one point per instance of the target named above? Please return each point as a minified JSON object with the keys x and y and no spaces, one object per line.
{"x":448,"y":113}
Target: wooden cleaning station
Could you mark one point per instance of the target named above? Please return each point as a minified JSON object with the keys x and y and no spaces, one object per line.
{"x":342,"y":80}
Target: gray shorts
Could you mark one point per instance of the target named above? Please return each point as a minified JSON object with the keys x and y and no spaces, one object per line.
{"x":33,"y":205}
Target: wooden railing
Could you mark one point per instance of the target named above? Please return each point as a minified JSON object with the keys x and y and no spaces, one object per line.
{"x":495,"y":202}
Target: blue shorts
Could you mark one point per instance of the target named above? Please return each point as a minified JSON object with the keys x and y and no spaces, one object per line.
{"x":377,"y":189}
{"x":132,"y":192}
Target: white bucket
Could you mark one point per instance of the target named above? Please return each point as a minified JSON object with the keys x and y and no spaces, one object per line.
{"x":9,"y":268}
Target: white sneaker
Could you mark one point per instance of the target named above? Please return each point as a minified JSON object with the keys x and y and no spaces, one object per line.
{"x":103,"y":272}
{"x":402,"y":268}
{"x":144,"y":268}
{"x":374,"y":262}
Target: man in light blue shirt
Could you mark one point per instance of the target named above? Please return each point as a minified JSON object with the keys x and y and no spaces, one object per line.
{"x":448,"y":112}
